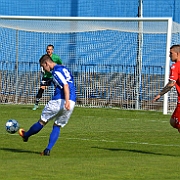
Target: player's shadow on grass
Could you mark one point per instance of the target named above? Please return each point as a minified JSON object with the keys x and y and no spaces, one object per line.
{"x":19,"y":150}
{"x":136,"y":151}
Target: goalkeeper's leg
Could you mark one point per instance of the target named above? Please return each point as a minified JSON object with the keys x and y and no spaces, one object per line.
{"x":39,"y":94}
{"x":45,"y":82}
{"x":38,"y":97}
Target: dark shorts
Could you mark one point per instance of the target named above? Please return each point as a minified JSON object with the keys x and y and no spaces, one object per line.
{"x":46,"y":81}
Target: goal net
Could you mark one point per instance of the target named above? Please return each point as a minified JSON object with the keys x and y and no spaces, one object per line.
{"x":116,"y":62}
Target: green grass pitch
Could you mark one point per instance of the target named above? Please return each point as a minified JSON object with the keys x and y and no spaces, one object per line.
{"x":96,"y":144}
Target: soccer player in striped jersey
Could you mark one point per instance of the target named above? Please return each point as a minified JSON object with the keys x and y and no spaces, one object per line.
{"x":47,"y":76}
{"x":59,"y":108}
{"x":174,"y":80}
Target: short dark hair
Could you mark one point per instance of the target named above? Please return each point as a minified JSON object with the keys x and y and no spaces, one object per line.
{"x":176,"y":47}
{"x":45,"y":58}
{"x":50,"y":45}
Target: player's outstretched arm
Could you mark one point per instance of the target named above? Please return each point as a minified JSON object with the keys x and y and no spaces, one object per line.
{"x":156,"y":98}
{"x":166,"y":88}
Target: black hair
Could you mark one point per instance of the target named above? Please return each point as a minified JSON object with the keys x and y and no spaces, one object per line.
{"x":45,"y":58}
{"x":50,"y":45}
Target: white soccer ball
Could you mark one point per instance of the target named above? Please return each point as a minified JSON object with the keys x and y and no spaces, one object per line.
{"x":12,"y":126}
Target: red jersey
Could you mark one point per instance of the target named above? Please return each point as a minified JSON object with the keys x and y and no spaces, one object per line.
{"x":175,"y":76}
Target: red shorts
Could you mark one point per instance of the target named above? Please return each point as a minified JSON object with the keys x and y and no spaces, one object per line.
{"x":176,"y":115}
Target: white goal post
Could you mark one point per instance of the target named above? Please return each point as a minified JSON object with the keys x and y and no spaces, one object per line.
{"x":116,"y":62}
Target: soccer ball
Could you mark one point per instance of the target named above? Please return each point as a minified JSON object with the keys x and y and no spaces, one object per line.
{"x":12,"y":126}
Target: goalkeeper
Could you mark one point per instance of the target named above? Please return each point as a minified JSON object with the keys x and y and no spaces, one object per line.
{"x":47,"y":76}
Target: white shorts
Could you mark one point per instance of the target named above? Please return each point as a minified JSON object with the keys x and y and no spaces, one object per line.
{"x":55,"y":109}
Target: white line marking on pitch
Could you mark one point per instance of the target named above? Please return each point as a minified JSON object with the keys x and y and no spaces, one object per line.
{"x":103,"y":140}
{"x":145,"y":143}
{"x":140,"y":143}
{"x":97,"y":140}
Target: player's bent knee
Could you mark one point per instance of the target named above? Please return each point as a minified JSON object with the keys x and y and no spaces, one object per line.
{"x":42,"y":122}
{"x":56,"y":125}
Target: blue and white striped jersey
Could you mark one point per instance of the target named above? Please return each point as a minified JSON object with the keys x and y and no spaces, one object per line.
{"x":61,"y":76}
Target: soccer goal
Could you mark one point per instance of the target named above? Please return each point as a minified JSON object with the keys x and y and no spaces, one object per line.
{"x":116,"y":62}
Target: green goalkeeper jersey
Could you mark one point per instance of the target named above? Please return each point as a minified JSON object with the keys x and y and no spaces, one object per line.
{"x":57,"y":60}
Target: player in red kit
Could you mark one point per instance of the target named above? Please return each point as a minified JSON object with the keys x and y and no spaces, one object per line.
{"x":174,"y":80}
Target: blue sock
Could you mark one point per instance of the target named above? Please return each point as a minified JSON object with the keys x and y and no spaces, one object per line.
{"x":53,"y":137}
{"x":35,"y":128}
